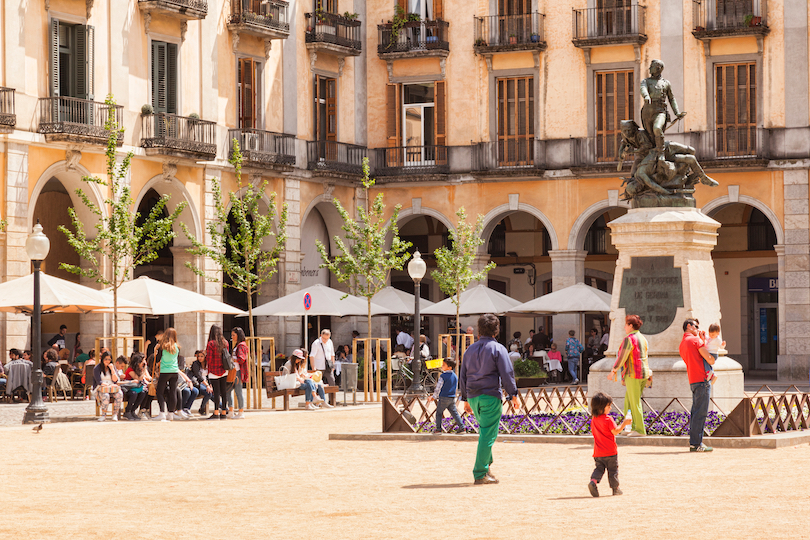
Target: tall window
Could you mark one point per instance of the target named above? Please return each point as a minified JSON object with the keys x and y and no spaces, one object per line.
{"x":515,"y":121}
{"x":614,"y":103}
{"x":428,"y":10}
{"x":248,"y":86}
{"x":416,"y":126}
{"x":329,"y":6}
{"x":72,"y":48}
{"x":325,"y":108}
{"x":164,"y":77}
{"x":736,"y":109}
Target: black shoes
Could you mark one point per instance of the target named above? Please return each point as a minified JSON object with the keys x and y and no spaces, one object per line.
{"x":593,"y":489}
{"x":617,"y":491}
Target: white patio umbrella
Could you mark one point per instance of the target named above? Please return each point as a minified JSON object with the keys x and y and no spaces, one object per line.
{"x":323,"y":300}
{"x":159,"y":298}
{"x":474,"y":301}
{"x":579,"y":298}
{"x":399,"y":301}
{"x":57,"y":296}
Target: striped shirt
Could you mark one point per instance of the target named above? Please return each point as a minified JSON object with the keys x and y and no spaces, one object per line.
{"x":633,"y":352}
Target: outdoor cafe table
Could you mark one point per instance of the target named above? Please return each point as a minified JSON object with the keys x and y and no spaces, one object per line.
{"x":547,"y":362}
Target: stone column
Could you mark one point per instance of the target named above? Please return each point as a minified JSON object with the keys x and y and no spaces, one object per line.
{"x":567,"y":268}
{"x":794,"y":290}
{"x":210,"y":288}
{"x":188,"y":325}
{"x":290,"y":267}
{"x":16,"y":328}
{"x":781,"y":310}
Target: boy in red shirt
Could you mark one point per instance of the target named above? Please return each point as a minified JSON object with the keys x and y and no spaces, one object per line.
{"x":605,"y":452}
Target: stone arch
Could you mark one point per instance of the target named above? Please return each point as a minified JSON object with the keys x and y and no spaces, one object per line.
{"x":408,"y":214}
{"x":329,"y":214}
{"x":494,"y":216}
{"x":579,"y":229}
{"x":725,"y":200}
{"x":70,"y":176}
{"x":178,"y":192}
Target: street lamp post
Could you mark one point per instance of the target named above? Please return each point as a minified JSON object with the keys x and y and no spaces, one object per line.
{"x":416,"y":269}
{"x":37,"y":246}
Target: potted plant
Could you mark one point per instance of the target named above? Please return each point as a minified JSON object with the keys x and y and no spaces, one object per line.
{"x":512,"y":39}
{"x":528,"y":373}
{"x":147,"y":109}
{"x":480,"y":42}
{"x":699,"y":29}
{"x":351,"y":16}
{"x":748,"y":20}
{"x":756,"y":21}
{"x":535,"y":37}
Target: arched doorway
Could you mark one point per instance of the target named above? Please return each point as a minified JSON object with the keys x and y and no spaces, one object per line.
{"x":746,"y":266}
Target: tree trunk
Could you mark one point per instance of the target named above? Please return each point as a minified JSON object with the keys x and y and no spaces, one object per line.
{"x":115,"y":320}
{"x":458,"y":330}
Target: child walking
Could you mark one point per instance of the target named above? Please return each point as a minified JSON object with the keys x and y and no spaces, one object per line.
{"x":713,"y":345}
{"x":605,"y":451}
{"x":445,"y":396}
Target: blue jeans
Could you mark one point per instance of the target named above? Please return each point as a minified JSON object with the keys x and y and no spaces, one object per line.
{"x":448,"y":403}
{"x":309,"y":386}
{"x":206,"y":395}
{"x":700,"y":408}
{"x":189,"y":395}
{"x":240,"y":397}
{"x":573,"y":364}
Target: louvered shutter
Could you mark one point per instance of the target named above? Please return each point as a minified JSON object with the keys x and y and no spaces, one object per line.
{"x":159,"y":76}
{"x":54,"y":57}
{"x":85,"y":60}
{"x":171,"y":78}
{"x":438,"y":9}
{"x":441,"y":114}
{"x":735,"y":109}
{"x":393,"y":131}
{"x":247,"y":94}
{"x":331,"y":110}
{"x":403,"y":4}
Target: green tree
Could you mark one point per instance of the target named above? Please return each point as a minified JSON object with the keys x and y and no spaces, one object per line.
{"x":123,"y":237}
{"x":239,"y":251}
{"x":454,"y":265}
{"x":364,"y":262}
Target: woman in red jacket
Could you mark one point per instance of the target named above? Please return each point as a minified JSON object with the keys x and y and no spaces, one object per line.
{"x":217,"y":374}
{"x":240,"y":361}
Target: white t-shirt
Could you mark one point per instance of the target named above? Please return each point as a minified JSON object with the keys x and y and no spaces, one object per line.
{"x":317,"y":351}
{"x":713,"y":344}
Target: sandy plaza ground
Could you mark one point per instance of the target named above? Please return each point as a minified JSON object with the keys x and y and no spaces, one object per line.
{"x":277,"y":475}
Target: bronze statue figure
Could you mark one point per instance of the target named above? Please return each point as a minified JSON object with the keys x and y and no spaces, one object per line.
{"x":664,"y":173}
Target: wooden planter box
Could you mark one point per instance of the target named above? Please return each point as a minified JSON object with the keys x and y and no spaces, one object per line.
{"x":530,"y":382}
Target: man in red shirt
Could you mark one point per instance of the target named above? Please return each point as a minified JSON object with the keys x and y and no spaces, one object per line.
{"x":693,"y":352}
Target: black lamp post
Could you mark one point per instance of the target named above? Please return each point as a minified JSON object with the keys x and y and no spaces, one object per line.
{"x":37,"y":246}
{"x":416,"y":269}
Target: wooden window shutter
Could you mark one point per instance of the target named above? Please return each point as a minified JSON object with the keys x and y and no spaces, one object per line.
{"x":392,"y":115}
{"x":438,"y":9}
{"x":403,"y":4}
{"x":614,"y":103}
{"x":85,"y":60}
{"x":247,"y":93}
{"x":515,"y":98}
{"x":735,"y":109}
{"x":159,"y":76}
{"x":54,"y":57}
{"x":171,"y":78}
{"x":441,"y":113}
{"x":331,"y":110}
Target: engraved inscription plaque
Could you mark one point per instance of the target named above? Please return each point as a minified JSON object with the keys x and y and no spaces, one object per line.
{"x":652,"y":289}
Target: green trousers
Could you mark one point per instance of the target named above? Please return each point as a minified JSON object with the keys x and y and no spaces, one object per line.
{"x":632,"y":401}
{"x":487,"y":411}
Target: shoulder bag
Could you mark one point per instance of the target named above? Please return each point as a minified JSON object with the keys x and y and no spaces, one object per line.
{"x":330,"y":364}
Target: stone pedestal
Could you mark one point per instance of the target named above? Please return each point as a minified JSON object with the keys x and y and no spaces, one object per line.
{"x":665,"y":274}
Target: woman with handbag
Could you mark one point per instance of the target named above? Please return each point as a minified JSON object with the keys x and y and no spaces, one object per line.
{"x":105,"y":386}
{"x":240,"y":362}
{"x":169,"y":350}
{"x":137,"y":377}
{"x":218,"y":359}
{"x":631,"y":362}
{"x":313,"y":392}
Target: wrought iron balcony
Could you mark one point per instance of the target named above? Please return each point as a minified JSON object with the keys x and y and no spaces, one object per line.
{"x":269,"y":21}
{"x":263,"y":148}
{"x":610,"y":26}
{"x":501,"y":33}
{"x":76,"y":120}
{"x":8,"y":116}
{"x":334,"y":33}
{"x":335,"y":157}
{"x":182,"y":9}
{"x":731,"y":143}
{"x":181,"y":136}
{"x":505,"y":155}
{"x":414,"y":39}
{"x":411,"y":160}
{"x":720,"y":18}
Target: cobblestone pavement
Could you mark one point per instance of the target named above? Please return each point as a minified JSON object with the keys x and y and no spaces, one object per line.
{"x":276,"y":475}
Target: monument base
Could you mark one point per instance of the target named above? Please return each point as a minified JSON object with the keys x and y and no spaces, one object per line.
{"x":670,"y":381}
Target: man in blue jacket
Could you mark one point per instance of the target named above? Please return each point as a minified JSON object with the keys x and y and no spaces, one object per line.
{"x":484,"y":369}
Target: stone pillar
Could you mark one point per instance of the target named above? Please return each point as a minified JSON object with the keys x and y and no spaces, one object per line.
{"x":292,"y":333}
{"x":794,"y":290}
{"x":781,"y":310}
{"x":16,"y":328}
{"x":188,"y":325}
{"x":210,"y":288}
{"x":567,"y":268}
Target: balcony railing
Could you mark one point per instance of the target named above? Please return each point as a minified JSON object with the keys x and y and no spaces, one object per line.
{"x":76,"y":120}
{"x":186,"y":9}
{"x":415,"y":38}
{"x":507,"y":154}
{"x":731,"y":143}
{"x":178,"y":135}
{"x":270,"y":20}
{"x":8,"y":115}
{"x":263,"y":147}
{"x":428,"y":159}
{"x":510,"y":32}
{"x":603,"y":26}
{"x":334,"y":29}
{"x":729,"y":17}
{"x":335,"y":156}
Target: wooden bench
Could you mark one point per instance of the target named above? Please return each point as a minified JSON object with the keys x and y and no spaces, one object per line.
{"x":272,"y":392}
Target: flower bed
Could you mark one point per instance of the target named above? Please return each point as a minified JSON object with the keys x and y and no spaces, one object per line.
{"x":579,"y":423}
